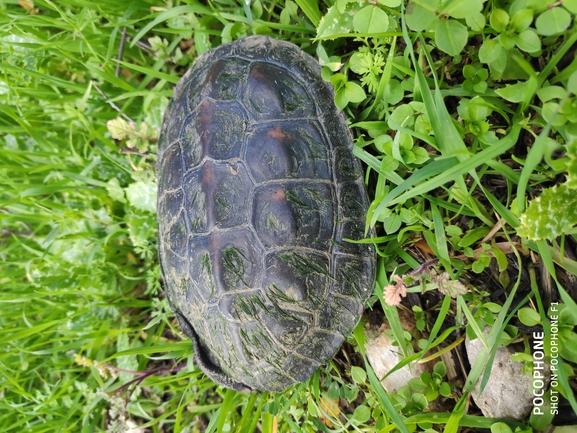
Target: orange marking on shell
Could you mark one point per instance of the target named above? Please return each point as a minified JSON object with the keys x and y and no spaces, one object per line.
{"x":257,"y":74}
{"x":279,"y":195}
{"x":276,"y":133}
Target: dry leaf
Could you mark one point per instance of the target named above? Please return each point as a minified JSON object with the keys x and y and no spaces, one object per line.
{"x":394,"y":292}
{"x":28,"y":5}
{"x":330,"y":407}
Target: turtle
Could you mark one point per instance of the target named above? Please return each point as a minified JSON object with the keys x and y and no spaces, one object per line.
{"x":258,"y":193}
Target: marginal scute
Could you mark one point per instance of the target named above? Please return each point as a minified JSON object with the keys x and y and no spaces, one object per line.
{"x":178,"y":237}
{"x":172,"y":130}
{"x":258,"y":188}
{"x":176,"y":275}
{"x":346,"y":169}
{"x":169,"y":205}
{"x":352,"y":230}
{"x":172,"y":169}
{"x":341,"y":315}
{"x":321,"y":344}
{"x":350,"y":277}
{"x":201,"y":262}
{"x":352,"y":200}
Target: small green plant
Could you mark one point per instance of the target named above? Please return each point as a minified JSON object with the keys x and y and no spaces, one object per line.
{"x":415,"y":397}
{"x":501,"y":427}
{"x":475,"y":78}
{"x":554,"y":212}
{"x":563,"y":320}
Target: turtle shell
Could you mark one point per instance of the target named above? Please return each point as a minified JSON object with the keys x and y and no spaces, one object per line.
{"x":258,"y":190}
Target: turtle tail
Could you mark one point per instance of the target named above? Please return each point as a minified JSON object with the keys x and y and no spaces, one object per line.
{"x":201,"y":358}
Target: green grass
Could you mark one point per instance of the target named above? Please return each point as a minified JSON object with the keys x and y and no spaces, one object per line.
{"x":458,"y":140}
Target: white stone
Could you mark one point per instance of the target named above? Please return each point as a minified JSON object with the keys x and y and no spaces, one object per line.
{"x":508,"y":392}
{"x":384,"y":356}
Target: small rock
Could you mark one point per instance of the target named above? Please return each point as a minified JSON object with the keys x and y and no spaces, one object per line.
{"x":133,"y":428}
{"x":384,"y":356}
{"x":508,"y":392}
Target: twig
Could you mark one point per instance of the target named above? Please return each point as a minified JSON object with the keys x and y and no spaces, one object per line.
{"x":120,"y":52}
{"x":112,"y":104}
{"x":143,"y":375}
{"x":424,"y":267}
{"x":131,"y":151}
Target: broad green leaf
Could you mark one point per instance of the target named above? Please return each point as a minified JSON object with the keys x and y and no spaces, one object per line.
{"x":568,"y":317}
{"x":572,"y":83}
{"x":336,"y":22}
{"x":507,"y":40}
{"x":500,"y":427}
{"x":393,"y":92}
{"x":361,"y":414}
{"x":490,"y":50}
{"x":128,"y":362}
{"x":354,"y":93}
{"x":421,"y":155}
{"x":392,"y":223}
{"x":521,"y":20}
{"x":536,"y":5}
{"x":115,"y":191}
{"x":390,"y":3}
{"x":461,"y":8}
{"x":528,"y":41}
{"x":358,"y":374}
{"x":473,"y":236}
{"x":469,"y":71}
{"x":142,"y":195}
{"x":430,"y":5}
{"x":528,"y":316}
{"x":513,"y":92}
{"x":478,"y":109}
{"x":371,"y":19}
{"x":419,"y":18}
{"x":480,"y":87}
{"x":445,"y":389}
{"x":499,"y":20}
{"x":551,"y":92}
{"x":440,"y":368}
{"x":476,"y":21}
{"x":552,"y":214}
{"x":498,"y":66}
{"x":420,"y":401}
{"x":341,"y":100}
{"x":500,"y":257}
{"x":553,"y":21}
{"x":551,"y":114}
{"x":402,"y":116}
{"x":450,"y":36}
{"x":571,"y":5}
